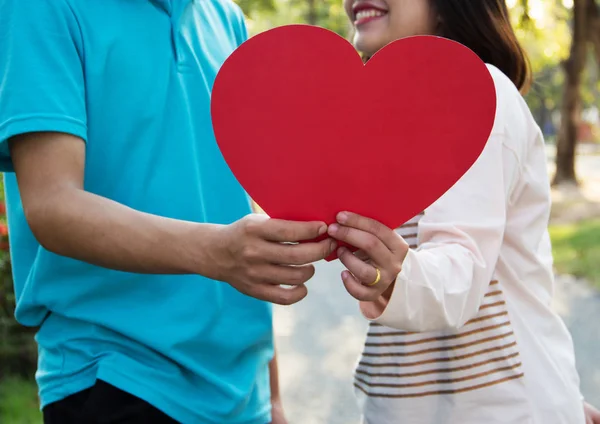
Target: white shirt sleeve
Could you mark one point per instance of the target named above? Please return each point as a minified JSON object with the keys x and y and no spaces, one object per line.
{"x":443,"y":282}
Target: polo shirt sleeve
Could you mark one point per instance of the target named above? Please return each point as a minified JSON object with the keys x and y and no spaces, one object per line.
{"x":41,"y":71}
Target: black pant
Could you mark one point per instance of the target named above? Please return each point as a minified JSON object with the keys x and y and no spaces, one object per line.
{"x":104,"y":404}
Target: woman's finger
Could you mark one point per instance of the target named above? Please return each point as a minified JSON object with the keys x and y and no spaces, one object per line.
{"x":592,"y":414}
{"x":357,"y":290}
{"x":362,"y":271}
{"x":361,"y":255}
{"x":362,"y":240}
{"x":389,"y":237}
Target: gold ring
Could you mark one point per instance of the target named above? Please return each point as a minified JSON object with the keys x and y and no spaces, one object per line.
{"x":376,"y":279}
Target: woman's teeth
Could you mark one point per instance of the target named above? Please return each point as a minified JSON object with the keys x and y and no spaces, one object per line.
{"x":369,"y":13}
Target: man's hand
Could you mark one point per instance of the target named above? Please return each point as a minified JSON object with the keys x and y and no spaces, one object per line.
{"x":592,"y":415}
{"x":258,"y":254}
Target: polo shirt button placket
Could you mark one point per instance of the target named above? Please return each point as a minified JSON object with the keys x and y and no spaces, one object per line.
{"x":178,"y":10}
{"x":174,"y":14}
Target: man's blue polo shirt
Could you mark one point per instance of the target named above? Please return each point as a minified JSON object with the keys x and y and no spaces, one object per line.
{"x":133,"y":79}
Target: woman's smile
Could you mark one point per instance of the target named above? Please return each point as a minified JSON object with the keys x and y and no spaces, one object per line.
{"x":379,"y":22}
{"x":365,"y":12}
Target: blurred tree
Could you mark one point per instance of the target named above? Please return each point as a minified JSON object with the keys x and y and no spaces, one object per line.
{"x":586,"y":32}
{"x":325,"y":13}
{"x":250,"y":6}
{"x":565,"y":82}
{"x":543,"y":29}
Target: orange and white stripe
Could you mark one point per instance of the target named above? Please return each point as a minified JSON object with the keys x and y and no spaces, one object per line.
{"x":400,"y":364}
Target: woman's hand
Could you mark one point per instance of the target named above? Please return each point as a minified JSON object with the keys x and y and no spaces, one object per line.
{"x":592,"y":415}
{"x":379,"y":261}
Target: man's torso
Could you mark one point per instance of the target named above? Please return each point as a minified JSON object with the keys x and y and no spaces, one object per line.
{"x":195,"y":348}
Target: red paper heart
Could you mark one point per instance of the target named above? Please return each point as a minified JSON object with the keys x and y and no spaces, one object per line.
{"x":310,"y":131}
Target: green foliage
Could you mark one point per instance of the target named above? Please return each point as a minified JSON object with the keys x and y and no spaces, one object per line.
{"x":18,"y":352}
{"x":249,"y":6}
{"x":546,"y":34}
{"x":328,"y":14}
{"x":19,"y":402}
{"x":577,"y":251}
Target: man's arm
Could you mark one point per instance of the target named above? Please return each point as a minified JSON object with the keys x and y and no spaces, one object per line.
{"x":69,"y":221}
{"x":278,"y":415}
{"x":274,"y":379}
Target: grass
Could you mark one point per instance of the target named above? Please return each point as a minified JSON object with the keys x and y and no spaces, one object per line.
{"x":19,"y":402}
{"x":577,"y":249}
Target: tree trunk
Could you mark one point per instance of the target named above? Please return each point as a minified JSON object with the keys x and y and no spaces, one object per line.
{"x":593,"y":27}
{"x":571,"y":107}
{"x":544,"y":112}
{"x":311,"y":16}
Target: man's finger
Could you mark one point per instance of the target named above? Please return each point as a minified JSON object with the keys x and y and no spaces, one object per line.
{"x":290,"y":231}
{"x":280,"y":295}
{"x":288,"y":275}
{"x":299,"y":254}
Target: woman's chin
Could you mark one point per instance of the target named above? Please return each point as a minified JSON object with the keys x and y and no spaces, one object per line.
{"x":368,"y":46}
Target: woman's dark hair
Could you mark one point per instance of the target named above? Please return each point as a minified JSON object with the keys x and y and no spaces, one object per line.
{"x":484,"y":26}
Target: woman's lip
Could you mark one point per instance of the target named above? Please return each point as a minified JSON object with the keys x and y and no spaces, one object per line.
{"x":359,"y":22}
{"x":368,"y":14}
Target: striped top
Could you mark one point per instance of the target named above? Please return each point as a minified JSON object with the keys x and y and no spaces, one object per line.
{"x":468,"y":335}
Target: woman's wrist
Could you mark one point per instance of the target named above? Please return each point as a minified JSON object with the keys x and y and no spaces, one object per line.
{"x":374,"y":309}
